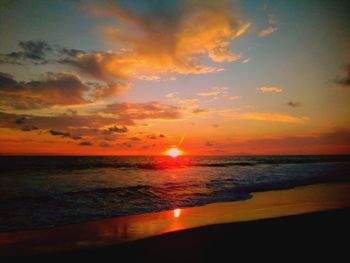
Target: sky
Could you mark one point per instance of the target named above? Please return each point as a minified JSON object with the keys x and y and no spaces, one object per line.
{"x":210,"y":77}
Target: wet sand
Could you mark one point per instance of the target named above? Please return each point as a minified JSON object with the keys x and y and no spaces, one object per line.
{"x":199,"y":233}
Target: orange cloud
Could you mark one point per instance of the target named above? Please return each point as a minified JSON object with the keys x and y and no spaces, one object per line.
{"x":273,"y":27}
{"x":260,"y":116}
{"x":270,"y":89}
{"x":268,"y":31}
{"x":168,"y":41}
{"x":215,"y":91}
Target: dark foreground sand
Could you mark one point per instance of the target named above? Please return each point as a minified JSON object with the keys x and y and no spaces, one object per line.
{"x":308,"y":237}
{"x":305,"y":223}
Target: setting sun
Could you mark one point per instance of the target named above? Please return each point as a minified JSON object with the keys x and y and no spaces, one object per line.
{"x":174,"y":152}
{"x":177,"y":212}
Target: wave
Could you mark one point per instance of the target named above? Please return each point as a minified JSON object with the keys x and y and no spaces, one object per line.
{"x":78,"y":206}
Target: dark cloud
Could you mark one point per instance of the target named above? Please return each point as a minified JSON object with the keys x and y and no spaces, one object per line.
{"x":124,"y":144}
{"x":32,"y":51}
{"x":118,"y":129}
{"x":20,"y":120}
{"x":209,"y":144}
{"x":294,"y":104}
{"x":59,"y":133}
{"x":104,"y":144}
{"x":155,"y":136}
{"x":29,"y":128}
{"x":134,"y":139}
{"x":344,"y":81}
{"x":53,"y":89}
{"x":85,"y":143}
{"x":64,"y":134}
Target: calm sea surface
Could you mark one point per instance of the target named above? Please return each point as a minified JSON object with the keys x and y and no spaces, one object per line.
{"x":47,"y":191}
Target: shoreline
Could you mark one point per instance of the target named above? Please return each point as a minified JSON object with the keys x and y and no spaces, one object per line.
{"x":112,"y":231}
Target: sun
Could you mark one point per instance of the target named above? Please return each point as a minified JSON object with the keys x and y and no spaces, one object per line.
{"x":174,"y":152}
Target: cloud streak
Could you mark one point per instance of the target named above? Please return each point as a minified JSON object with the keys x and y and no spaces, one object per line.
{"x":270,"y":89}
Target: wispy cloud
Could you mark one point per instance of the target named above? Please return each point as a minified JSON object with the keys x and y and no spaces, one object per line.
{"x":214,"y":92}
{"x":270,"y":89}
{"x":274,"y":117}
{"x":273,"y":27}
{"x":294,"y":104}
{"x":344,"y":80}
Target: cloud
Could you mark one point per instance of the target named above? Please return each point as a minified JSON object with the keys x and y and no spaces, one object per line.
{"x":345,"y":80}
{"x":209,"y":144}
{"x":86,"y":143}
{"x":234,"y":97}
{"x":31,"y":51}
{"x":270,"y":89}
{"x":274,"y":117}
{"x":59,"y":133}
{"x":171,"y":95}
{"x":104,"y":144}
{"x":113,"y":119}
{"x":65,"y":134}
{"x":29,"y":128}
{"x":294,"y":104}
{"x":171,"y":37}
{"x":54,"y":89}
{"x":268,"y":31}
{"x":339,"y":136}
{"x":273,"y":27}
{"x":20,"y":120}
{"x":125,"y":145}
{"x":116,"y":129}
{"x":134,"y":139}
{"x":215,"y":91}
{"x":199,"y":110}
{"x":141,"y":111}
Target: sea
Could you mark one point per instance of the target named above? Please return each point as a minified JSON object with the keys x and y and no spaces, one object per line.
{"x":47,"y":191}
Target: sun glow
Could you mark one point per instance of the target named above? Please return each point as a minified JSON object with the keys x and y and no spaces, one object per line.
{"x":177,"y":212}
{"x":174,"y":152}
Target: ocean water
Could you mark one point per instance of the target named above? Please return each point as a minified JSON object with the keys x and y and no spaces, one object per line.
{"x":48,"y":191}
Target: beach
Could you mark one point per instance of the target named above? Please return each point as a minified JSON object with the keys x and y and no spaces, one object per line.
{"x":312,"y":214}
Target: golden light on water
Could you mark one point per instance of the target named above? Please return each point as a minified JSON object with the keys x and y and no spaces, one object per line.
{"x":174,"y":152}
{"x":177,"y":212}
